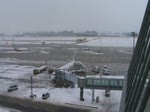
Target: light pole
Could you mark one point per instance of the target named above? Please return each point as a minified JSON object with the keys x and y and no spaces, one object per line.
{"x":133,"y":35}
{"x":100,"y":45}
{"x":31,"y":85}
{"x":32,"y":95}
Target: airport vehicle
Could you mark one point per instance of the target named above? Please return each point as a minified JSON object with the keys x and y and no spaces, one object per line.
{"x":107,"y":93}
{"x":45,"y":96}
{"x":39,"y":70}
{"x":81,"y":40}
{"x":106,"y":70}
{"x":12,"y":88}
{"x":96,"y":69}
{"x":86,"y":49}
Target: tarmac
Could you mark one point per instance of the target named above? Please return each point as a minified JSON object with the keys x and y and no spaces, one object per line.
{"x":56,"y":56}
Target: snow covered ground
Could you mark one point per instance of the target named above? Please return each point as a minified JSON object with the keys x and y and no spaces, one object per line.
{"x":20,"y":75}
{"x":91,"y":41}
{"x":9,"y":71}
{"x":4,"y":109}
{"x":13,"y":73}
{"x":38,"y":40}
{"x":110,"y":42}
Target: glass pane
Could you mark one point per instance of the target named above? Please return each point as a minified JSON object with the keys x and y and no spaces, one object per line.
{"x":95,"y":82}
{"x":89,"y":82}
{"x":112,"y":83}
{"x":103,"y":82}
{"x":100,"y":82}
{"x":115,"y":82}
{"x":106,"y":83}
{"x":120,"y":83}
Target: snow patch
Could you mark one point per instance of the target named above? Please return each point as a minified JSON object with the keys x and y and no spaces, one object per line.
{"x":11,"y":74}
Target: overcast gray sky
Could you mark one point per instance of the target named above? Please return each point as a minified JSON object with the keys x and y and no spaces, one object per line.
{"x":76,"y":15}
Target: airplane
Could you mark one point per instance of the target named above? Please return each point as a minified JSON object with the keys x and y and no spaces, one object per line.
{"x":74,"y":66}
{"x":81,"y":40}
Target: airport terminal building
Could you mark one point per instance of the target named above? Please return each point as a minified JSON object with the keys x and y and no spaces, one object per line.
{"x":136,"y":90}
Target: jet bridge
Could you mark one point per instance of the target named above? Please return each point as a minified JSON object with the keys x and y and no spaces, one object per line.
{"x":94,"y":82}
{"x":104,"y":82}
{"x":67,"y":76}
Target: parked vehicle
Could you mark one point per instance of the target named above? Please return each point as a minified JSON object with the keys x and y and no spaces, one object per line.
{"x":12,"y":88}
{"x":106,"y":70}
{"x":45,"y":96}
{"x":39,"y":70}
{"x":96,"y":69}
{"x":107,"y":93}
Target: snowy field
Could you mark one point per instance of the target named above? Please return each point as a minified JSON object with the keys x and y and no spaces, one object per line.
{"x":90,"y":41}
{"x":110,"y":42}
{"x":12,"y":72}
{"x":4,"y":109}
{"x":20,"y":75}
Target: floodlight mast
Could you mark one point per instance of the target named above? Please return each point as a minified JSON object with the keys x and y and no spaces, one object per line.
{"x":133,"y":35}
{"x":31,"y":85}
{"x":100,"y":44}
{"x":74,"y":55}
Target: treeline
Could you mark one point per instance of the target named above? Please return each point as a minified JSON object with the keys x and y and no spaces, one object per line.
{"x":70,"y":34}
{"x":2,"y":34}
{"x":63,"y":33}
